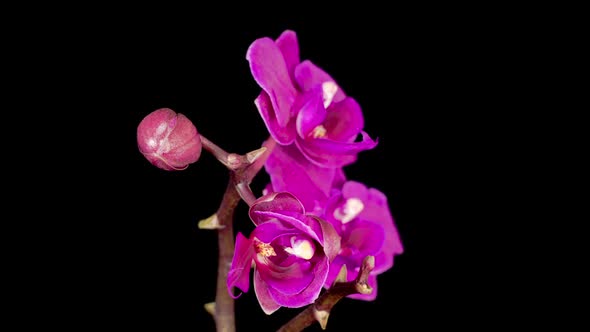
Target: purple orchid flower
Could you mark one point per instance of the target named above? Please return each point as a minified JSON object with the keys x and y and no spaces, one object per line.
{"x":302,"y":104}
{"x":291,"y":251}
{"x":362,"y":217}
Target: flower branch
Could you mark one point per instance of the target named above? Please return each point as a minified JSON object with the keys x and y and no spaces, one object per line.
{"x":242,"y":169}
{"x":320,"y":309}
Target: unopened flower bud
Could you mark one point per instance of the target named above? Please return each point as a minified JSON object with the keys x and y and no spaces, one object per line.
{"x":169,"y":140}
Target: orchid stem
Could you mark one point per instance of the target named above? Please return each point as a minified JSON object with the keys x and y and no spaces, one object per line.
{"x":224,"y":303}
{"x":246,"y":193}
{"x":243,"y":168}
{"x":320,"y":310}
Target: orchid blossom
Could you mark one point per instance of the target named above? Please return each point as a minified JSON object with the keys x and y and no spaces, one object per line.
{"x":301,"y":104}
{"x":291,"y":251}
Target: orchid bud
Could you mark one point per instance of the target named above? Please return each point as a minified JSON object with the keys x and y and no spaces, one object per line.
{"x":169,"y":140}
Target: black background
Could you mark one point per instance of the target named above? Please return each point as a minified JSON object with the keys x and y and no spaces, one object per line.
{"x":437,"y":88}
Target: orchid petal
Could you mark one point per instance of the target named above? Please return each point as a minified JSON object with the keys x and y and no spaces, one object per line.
{"x":287,"y":43}
{"x":344,"y":120}
{"x":311,"y":113}
{"x":290,"y":171}
{"x":308,"y":76}
{"x":239,"y":272}
{"x":284,"y":135}
{"x":288,"y":280}
{"x":267,"y":303}
{"x":329,"y":153}
{"x":310,"y":293}
{"x":275,"y":201}
{"x":270,"y":71}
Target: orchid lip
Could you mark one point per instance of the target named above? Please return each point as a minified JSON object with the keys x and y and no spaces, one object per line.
{"x":329,"y":90}
{"x":349,"y":210}
{"x":301,"y":248}
{"x":318,"y":132}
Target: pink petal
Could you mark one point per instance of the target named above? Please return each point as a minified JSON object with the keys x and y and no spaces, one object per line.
{"x":287,"y":43}
{"x":339,"y":178}
{"x":310,"y":293}
{"x":329,"y":153}
{"x":275,"y":201}
{"x":239,"y":273}
{"x":271,"y":229}
{"x":267,"y":303}
{"x":289,"y":170}
{"x":330,"y":238}
{"x":292,"y":221}
{"x":366,"y":237}
{"x":377,"y":210}
{"x":269,"y":69}
{"x":355,"y":189}
{"x":344,"y":120}
{"x":284,"y":135}
{"x":311,"y":112}
{"x":308,"y":75}
{"x":288,"y":280}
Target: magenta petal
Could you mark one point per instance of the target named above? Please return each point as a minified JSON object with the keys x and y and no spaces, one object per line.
{"x":308,"y":75}
{"x":393,"y":244}
{"x":365,"y":237}
{"x":329,"y":153}
{"x":269,"y":69}
{"x":377,"y":210}
{"x":339,"y":179}
{"x":329,"y":214}
{"x":275,"y":201}
{"x":383,"y":262}
{"x":311,"y":112}
{"x":278,"y":201}
{"x":288,"y":220}
{"x":288,"y":280}
{"x":239,"y":273}
{"x":354,"y":189}
{"x":330,"y":238}
{"x":267,"y":303}
{"x":344,"y":120}
{"x":335,"y":267}
{"x":284,"y":135}
{"x":310,"y":293}
{"x":377,"y":197}
{"x":287,"y":43}
{"x":271,"y":229}
{"x":290,"y":171}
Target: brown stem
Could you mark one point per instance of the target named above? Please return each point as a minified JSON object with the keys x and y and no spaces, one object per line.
{"x":252,"y":164}
{"x":242,"y":168}
{"x":246,"y":193}
{"x":320,"y":309}
{"x":224,"y":303}
{"x":258,"y":162}
{"x":215,"y":150}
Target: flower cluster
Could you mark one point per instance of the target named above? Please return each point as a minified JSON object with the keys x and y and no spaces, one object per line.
{"x":311,"y":220}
